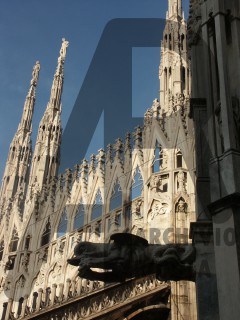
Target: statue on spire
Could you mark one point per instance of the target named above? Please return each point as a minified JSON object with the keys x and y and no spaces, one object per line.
{"x":63,"y":49}
{"x":35,"y":72}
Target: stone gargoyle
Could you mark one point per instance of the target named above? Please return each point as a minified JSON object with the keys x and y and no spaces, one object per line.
{"x":127,"y":256}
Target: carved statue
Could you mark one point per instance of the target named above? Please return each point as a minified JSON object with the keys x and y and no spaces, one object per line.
{"x":35,"y":72}
{"x":130,"y":256}
{"x":63,"y":49}
{"x":181,"y":181}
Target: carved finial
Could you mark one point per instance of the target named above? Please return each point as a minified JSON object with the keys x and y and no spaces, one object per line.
{"x":127,"y":145}
{"x":84,"y":169}
{"x":33,"y":83}
{"x":100,"y":158}
{"x":92,"y":162}
{"x":57,"y":86}
{"x":118,"y":146}
{"x":148,"y":117}
{"x":35,"y":73}
{"x":138,"y":136}
{"x":76,"y":172}
{"x":109,"y":153}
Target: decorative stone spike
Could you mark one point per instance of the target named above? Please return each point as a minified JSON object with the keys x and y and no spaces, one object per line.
{"x":101,"y":158}
{"x":109,"y":158}
{"x":101,"y":162}
{"x":127,"y":146}
{"x":148,"y":118}
{"x":118,"y":148}
{"x":84,"y":173}
{"x":92,"y":163}
{"x":76,"y":172}
{"x":156,"y":108}
{"x":138,"y":137}
{"x":68,"y":180}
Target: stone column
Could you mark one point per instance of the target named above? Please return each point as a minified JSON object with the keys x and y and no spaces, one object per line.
{"x":9,"y":309}
{"x":61,"y":285}
{"x":79,"y":286}
{"x":73,"y":287}
{"x":53,"y":294}
{"x":24,"y":306}
{"x":226,"y":227}
{"x":201,"y":234}
{"x":66,"y":290}
{"x":39,"y":299}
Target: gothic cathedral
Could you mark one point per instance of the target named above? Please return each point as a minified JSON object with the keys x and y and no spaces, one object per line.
{"x":143,"y":185}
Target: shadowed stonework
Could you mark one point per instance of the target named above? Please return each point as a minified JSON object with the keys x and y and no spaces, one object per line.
{"x":131,"y":256}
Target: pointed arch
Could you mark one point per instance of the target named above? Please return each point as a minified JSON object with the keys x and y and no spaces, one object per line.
{"x":97,"y":206}
{"x":14,"y":240}
{"x":179,"y":159}
{"x":157,"y":157}
{"x":170,"y":78}
{"x":27,"y":242}
{"x":137,"y":184}
{"x":78,"y":221}
{"x":45,"y":238}
{"x":62,"y":225}
{"x":170,"y":41}
{"x":182,"y":41}
{"x":19,"y":309}
{"x":116,"y":197}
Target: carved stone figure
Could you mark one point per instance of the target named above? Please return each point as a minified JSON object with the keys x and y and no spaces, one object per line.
{"x":63,"y":49}
{"x":25,"y":261}
{"x":181,"y":206}
{"x":137,"y":209}
{"x":21,"y":282}
{"x":156,"y":181}
{"x":181,"y":181}
{"x":158,"y":208}
{"x":132,"y":256}
{"x":35,"y":72}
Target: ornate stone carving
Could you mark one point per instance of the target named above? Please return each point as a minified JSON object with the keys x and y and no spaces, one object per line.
{"x":164,"y":160}
{"x":95,"y":231}
{"x":21,"y":282}
{"x":131,"y":256}
{"x":181,"y":206}
{"x":9,"y":263}
{"x":42,"y":255}
{"x":57,"y":271}
{"x":194,"y":22}
{"x":155,"y":184}
{"x":41,"y":276}
{"x":77,"y":237}
{"x":181,"y":182}
{"x":35,"y":71}
{"x":25,"y":261}
{"x":136,"y":210}
{"x":63,"y":49}
{"x":158,"y":208}
{"x":59,"y":247}
{"x":148,"y":118}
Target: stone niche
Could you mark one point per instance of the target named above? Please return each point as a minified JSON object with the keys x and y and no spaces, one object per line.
{"x":159,"y":183}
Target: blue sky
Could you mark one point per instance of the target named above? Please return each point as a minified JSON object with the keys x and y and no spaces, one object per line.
{"x":32,"y":30}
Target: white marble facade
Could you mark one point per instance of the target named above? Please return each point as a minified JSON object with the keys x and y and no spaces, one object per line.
{"x":144,"y":185}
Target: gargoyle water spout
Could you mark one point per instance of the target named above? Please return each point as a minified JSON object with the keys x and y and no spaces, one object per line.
{"x":129,"y":256}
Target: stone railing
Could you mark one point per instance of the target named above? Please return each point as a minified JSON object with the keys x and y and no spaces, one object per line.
{"x":82,"y":298}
